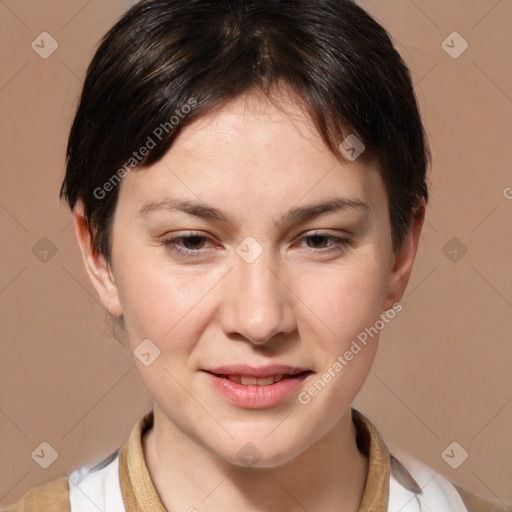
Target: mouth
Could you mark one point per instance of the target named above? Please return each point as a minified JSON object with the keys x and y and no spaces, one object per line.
{"x":256,"y":388}
{"x":247,"y":380}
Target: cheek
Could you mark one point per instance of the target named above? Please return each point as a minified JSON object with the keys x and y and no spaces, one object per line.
{"x":346,"y":307}
{"x":168,"y":309}
{"x":163,"y":304}
{"x":345,"y":300}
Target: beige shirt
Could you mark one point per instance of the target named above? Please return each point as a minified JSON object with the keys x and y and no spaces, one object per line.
{"x":139,"y":493}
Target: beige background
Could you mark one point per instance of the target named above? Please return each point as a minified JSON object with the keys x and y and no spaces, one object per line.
{"x":442,"y":373}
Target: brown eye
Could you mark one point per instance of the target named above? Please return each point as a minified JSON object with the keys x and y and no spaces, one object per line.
{"x":321,"y":239}
{"x":189,"y":245}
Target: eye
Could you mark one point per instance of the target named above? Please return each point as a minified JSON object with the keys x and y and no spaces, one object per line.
{"x":193,"y":243}
{"x":338,"y":245}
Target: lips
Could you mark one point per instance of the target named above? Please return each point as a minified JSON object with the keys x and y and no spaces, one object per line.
{"x":260,"y":372}
{"x":254,"y":381}
{"x":263,"y":376}
{"x":256,"y":388}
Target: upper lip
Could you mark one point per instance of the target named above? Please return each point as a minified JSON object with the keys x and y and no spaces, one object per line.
{"x":260,"y":372}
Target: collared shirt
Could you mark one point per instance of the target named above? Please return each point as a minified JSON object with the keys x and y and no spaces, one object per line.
{"x":123,"y":480}
{"x":139,"y":492}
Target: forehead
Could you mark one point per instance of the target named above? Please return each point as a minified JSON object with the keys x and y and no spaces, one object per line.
{"x":255,"y":148}
{"x":254,"y":127}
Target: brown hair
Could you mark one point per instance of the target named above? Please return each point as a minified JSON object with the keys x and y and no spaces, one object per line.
{"x":165,"y":63}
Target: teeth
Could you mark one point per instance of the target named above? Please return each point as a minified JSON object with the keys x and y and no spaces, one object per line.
{"x":254,"y":381}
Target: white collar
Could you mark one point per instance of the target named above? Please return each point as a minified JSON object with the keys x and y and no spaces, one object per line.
{"x":437,"y":493}
{"x":97,"y":488}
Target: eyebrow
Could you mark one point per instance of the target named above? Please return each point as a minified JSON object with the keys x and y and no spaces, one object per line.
{"x":292,"y":216}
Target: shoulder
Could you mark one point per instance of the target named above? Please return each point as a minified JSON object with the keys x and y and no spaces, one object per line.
{"x":413,"y":480}
{"x":50,"y":497}
{"x":97,"y":483}
{"x":475,"y":503}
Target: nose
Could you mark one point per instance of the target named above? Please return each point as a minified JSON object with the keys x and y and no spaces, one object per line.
{"x":257,"y":304}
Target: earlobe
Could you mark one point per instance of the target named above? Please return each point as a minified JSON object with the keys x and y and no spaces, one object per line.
{"x":404,"y":258}
{"x":97,"y":268}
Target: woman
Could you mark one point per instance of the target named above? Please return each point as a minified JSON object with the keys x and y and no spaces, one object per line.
{"x":248,"y":183}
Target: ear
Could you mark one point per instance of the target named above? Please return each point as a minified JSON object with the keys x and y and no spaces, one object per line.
{"x":99,"y":272}
{"x":403,"y":260}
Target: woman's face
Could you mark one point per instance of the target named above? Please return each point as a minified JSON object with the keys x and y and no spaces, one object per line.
{"x":264,"y":279}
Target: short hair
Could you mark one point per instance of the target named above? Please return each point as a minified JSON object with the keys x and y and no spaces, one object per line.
{"x":166,"y":63}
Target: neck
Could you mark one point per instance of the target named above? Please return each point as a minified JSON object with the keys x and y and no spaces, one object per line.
{"x":330,"y":475}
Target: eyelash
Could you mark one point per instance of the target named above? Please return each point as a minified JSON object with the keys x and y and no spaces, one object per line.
{"x":172,"y":244}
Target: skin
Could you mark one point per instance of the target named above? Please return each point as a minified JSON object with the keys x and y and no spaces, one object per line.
{"x":297,"y":304}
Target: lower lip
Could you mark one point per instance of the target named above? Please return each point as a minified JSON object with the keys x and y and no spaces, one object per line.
{"x":256,"y":397}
